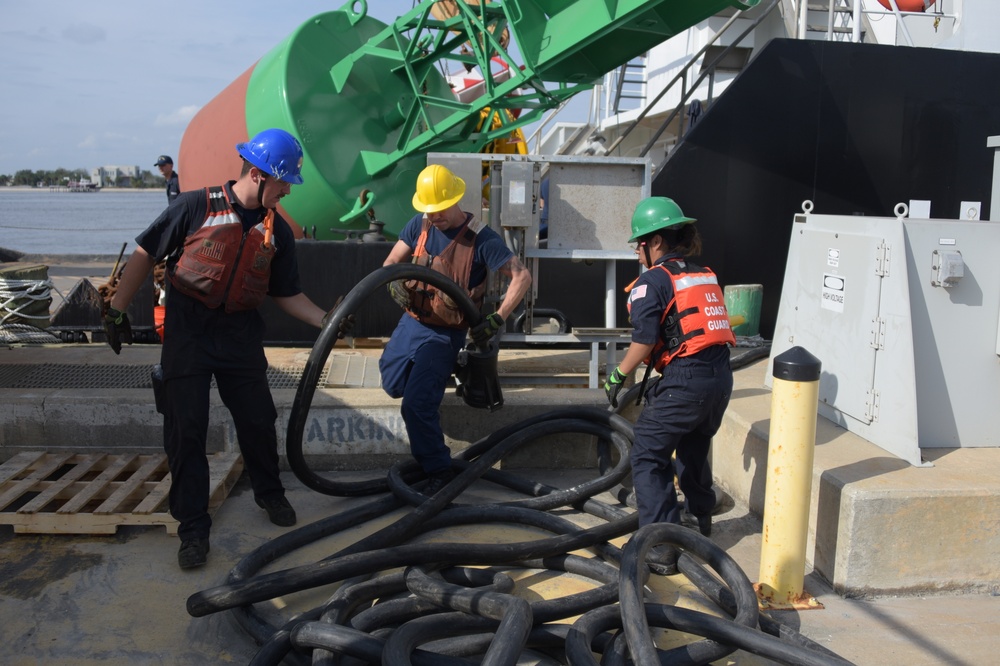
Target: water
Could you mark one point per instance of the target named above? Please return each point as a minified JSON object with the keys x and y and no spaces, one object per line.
{"x":45,"y":222}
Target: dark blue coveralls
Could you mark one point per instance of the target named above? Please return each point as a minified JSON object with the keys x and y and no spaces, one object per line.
{"x":203,"y":342}
{"x":419,"y":358}
{"x":683,"y":411}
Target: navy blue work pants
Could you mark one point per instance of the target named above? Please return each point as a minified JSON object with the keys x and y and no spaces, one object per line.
{"x":416,"y":365}
{"x":201,"y":343}
{"x":683,"y":411}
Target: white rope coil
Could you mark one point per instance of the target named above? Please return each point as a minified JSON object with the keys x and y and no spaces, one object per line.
{"x":16,"y":296}
{"x":25,"y":334}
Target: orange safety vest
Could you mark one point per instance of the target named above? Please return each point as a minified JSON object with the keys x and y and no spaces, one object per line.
{"x":695,"y":318}
{"x":222,"y":264}
{"x":430,"y":305}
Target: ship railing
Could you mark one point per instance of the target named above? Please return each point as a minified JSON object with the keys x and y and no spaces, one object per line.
{"x":687,"y":90}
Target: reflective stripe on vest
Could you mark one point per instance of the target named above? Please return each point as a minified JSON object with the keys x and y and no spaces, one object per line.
{"x":222,"y":264}
{"x":696,"y":317}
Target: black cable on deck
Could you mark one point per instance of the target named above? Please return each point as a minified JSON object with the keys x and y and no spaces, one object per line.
{"x":450,"y":604}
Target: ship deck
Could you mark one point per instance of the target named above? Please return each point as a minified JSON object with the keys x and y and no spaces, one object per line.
{"x":902,"y":559}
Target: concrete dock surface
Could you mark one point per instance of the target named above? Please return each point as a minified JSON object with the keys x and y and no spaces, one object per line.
{"x":927,"y":592}
{"x":120,"y":599}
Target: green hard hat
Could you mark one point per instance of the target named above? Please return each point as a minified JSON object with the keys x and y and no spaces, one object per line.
{"x":655,"y":213}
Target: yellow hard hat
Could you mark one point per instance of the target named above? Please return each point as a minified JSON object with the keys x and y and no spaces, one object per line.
{"x":437,"y":189}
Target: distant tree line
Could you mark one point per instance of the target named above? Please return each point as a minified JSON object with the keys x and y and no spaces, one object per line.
{"x":44,"y":178}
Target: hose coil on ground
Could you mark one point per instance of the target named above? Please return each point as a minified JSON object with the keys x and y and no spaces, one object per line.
{"x":321,"y":351}
{"x":401,"y":599}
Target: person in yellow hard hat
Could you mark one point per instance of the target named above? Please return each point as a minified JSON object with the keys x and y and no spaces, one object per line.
{"x":679,"y":326}
{"x":420,"y":355}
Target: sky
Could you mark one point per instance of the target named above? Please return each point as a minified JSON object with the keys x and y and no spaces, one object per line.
{"x":115,"y":82}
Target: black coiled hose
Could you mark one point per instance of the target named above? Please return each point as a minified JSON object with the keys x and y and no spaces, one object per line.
{"x":317,"y":360}
{"x":458,"y":615}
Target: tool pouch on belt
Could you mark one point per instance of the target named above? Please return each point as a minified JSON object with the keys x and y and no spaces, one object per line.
{"x":158,"y":390}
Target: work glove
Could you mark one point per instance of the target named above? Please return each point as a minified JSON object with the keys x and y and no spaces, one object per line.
{"x":346,"y":324}
{"x":399,"y":293}
{"x":614,"y":384}
{"x":487,"y":328}
{"x":117,"y":329}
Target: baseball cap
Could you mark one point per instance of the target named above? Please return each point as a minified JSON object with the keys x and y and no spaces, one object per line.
{"x":163,"y":159}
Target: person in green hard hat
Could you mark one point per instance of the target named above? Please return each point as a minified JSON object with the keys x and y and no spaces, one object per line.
{"x":680,"y":327}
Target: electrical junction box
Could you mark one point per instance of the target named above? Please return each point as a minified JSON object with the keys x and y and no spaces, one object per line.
{"x":948,"y":268}
{"x":904,"y":316}
{"x":519,"y":200}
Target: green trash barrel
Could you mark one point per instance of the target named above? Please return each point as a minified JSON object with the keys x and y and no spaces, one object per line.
{"x":744,"y":300}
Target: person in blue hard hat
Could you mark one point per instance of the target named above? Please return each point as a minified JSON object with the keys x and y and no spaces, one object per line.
{"x":166,"y":166}
{"x":680,"y":326}
{"x":226,"y":249}
{"x":420,"y":356}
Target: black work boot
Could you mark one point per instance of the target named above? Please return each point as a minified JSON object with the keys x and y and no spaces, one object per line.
{"x":193,"y":553}
{"x":278,"y":509}
{"x":662,"y":560}
{"x":703,"y":523}
{"x":438,"y":480}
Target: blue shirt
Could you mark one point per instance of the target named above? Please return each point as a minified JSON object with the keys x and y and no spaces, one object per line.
{"x":648,"y":300}
{"x":173,"y":187}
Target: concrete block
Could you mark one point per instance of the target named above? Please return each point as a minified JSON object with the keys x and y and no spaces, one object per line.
{"x":355,"y":428}
{"x":878,"y":525}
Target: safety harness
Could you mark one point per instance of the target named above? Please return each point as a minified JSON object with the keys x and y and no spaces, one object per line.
{"x":430,"y":305}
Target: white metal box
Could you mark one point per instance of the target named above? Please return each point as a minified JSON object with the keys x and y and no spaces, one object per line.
{"x":903,"y":314}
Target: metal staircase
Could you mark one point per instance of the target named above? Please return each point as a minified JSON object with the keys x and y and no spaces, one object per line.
{"x":853,"y":20}
{"x":835,"y":21}
{"x":630,"y":85}
{"x":634,"y":90}
{"x":689,"y":79}
{"x":826,"y":20}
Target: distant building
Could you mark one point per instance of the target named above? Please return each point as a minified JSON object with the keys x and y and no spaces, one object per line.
{"x":110,"y":176}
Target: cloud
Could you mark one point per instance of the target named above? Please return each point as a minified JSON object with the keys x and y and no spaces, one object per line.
{"x":102,"y":83}
{"x":180,"y":116}
{"x":85,"y":33}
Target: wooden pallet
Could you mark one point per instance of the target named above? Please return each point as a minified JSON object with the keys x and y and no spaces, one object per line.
{"x":94,"y":493}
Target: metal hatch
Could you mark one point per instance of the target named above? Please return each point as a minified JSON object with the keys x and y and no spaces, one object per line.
{"x":846,"y":299}
{"x":838,"y":278}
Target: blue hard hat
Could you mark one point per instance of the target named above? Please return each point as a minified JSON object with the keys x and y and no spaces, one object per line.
{"x":275,"y":152}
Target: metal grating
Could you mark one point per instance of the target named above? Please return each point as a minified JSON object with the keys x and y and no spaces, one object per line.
{"x":288,"y":377}
{"x":60,"y":375}
{"x":11,"y":375}
{"x":69,"y":376}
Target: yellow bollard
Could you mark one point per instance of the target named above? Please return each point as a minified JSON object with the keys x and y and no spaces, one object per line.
{"x":789,"y":481}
